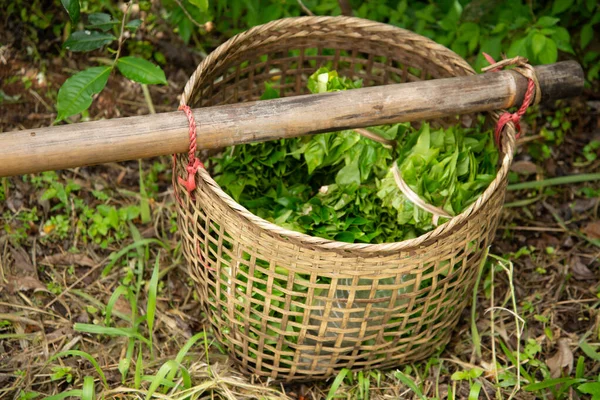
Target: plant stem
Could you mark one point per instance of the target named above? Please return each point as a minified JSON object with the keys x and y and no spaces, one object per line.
{"x":562,"y":180}
{"x":304,"y":8}
{"x":122,"y":34}
{"x":186,"y":12}
{"x":148,"y":99}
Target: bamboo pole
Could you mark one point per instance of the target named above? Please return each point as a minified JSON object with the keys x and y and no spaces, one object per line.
{"x":121,"y":139}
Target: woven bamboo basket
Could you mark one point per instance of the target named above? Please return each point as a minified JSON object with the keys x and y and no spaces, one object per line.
{"x":341,"y":305}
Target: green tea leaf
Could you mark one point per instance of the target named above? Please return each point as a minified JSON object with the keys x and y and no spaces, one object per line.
{"x":140,"y":70}
{"x":349,"y":174}
{"x":101,"y":21}
{"x":75,"y":95}
{"x":72,"y":7}
{"x":87,"y":40}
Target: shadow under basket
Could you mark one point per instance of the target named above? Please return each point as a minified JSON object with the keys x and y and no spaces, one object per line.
{"x":293,"y":307}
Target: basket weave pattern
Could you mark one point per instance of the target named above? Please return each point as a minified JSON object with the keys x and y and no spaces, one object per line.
{"x":294,"y":307}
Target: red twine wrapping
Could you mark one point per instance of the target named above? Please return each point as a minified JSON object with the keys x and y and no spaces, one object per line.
{"x":193,"y":163}
{"x":515,"y":118}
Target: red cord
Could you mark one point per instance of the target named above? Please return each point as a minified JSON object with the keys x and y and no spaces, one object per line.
{"x":515,"y":118}
{"x":193,"y":163}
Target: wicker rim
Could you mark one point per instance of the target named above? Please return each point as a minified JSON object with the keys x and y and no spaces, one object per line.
{"x":508,"y":139}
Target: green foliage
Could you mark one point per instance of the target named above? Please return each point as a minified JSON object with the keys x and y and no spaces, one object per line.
{"x":62,"y":373}
{"x":339,"y":185}
{"x":75,"y":95}
{"x":140,"y":70}
{"x":72,"y":7}
{"x":57,"y":226}
{"x":87,"y":40}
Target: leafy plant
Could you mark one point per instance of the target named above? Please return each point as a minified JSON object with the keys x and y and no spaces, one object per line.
{"x":75,"y":95}
{"x":62,"y":373}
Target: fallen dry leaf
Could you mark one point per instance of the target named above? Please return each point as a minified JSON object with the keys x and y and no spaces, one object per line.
{"x":592,"y":230}
{"x":122,"y":306}
{"x":562,"y":359}
{"x":524,"y":167}
{"x":23,"y":284}
{"x":22,"y":263}
{"x":580,"y":271}
{"x":68,"y":259}
{"x":582,"y":205}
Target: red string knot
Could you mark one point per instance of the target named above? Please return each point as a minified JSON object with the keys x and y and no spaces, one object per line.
{"x":532,"y":92}
{"x":193,"y":163}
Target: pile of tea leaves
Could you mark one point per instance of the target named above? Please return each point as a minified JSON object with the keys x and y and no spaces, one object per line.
{"x":339,"y":185}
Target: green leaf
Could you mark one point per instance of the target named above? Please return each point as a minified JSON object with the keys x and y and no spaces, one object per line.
{"x":490,"y":45}
{"x":587,"y":34}
{"x":140,"y":70}
{"x":89,"y":391}
{"x":88,"y":357}
{"x":121,"y":290}
{"x":269,"y":93}
{"x":538,"y":42}
{"x":337,"y":382}
{"x":72,"y":7}
{"x":474,"y":392}
{"x":347,"y":237}
{"x":87,"y":40}
{"x":563,"y":40}
{"x":101,"y":21}
{"x":534,"y":387}
{"x":518,"y":48}
{"x":108,"y":331}
{"x":139,"y":370}
{"x":410,"y":383}
{"x":592,"y":388}
{"x":152,"y":292}
{"x":547,"y":22}
{"x":591,"y":4}
{"x":460,"y":376}
{"x":550,"y":52}
{"x":560,"y":6}
{"x":469,"y":33}
{"x":201,"y":4}
{"x":183,"y":351}
{"x":589,"y":351}
{"x":133,"y":25}
{"x":165,"y":369}
{"x":349,"y":174}
{"x":75,"y":95}
{"x":65,"y":394}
